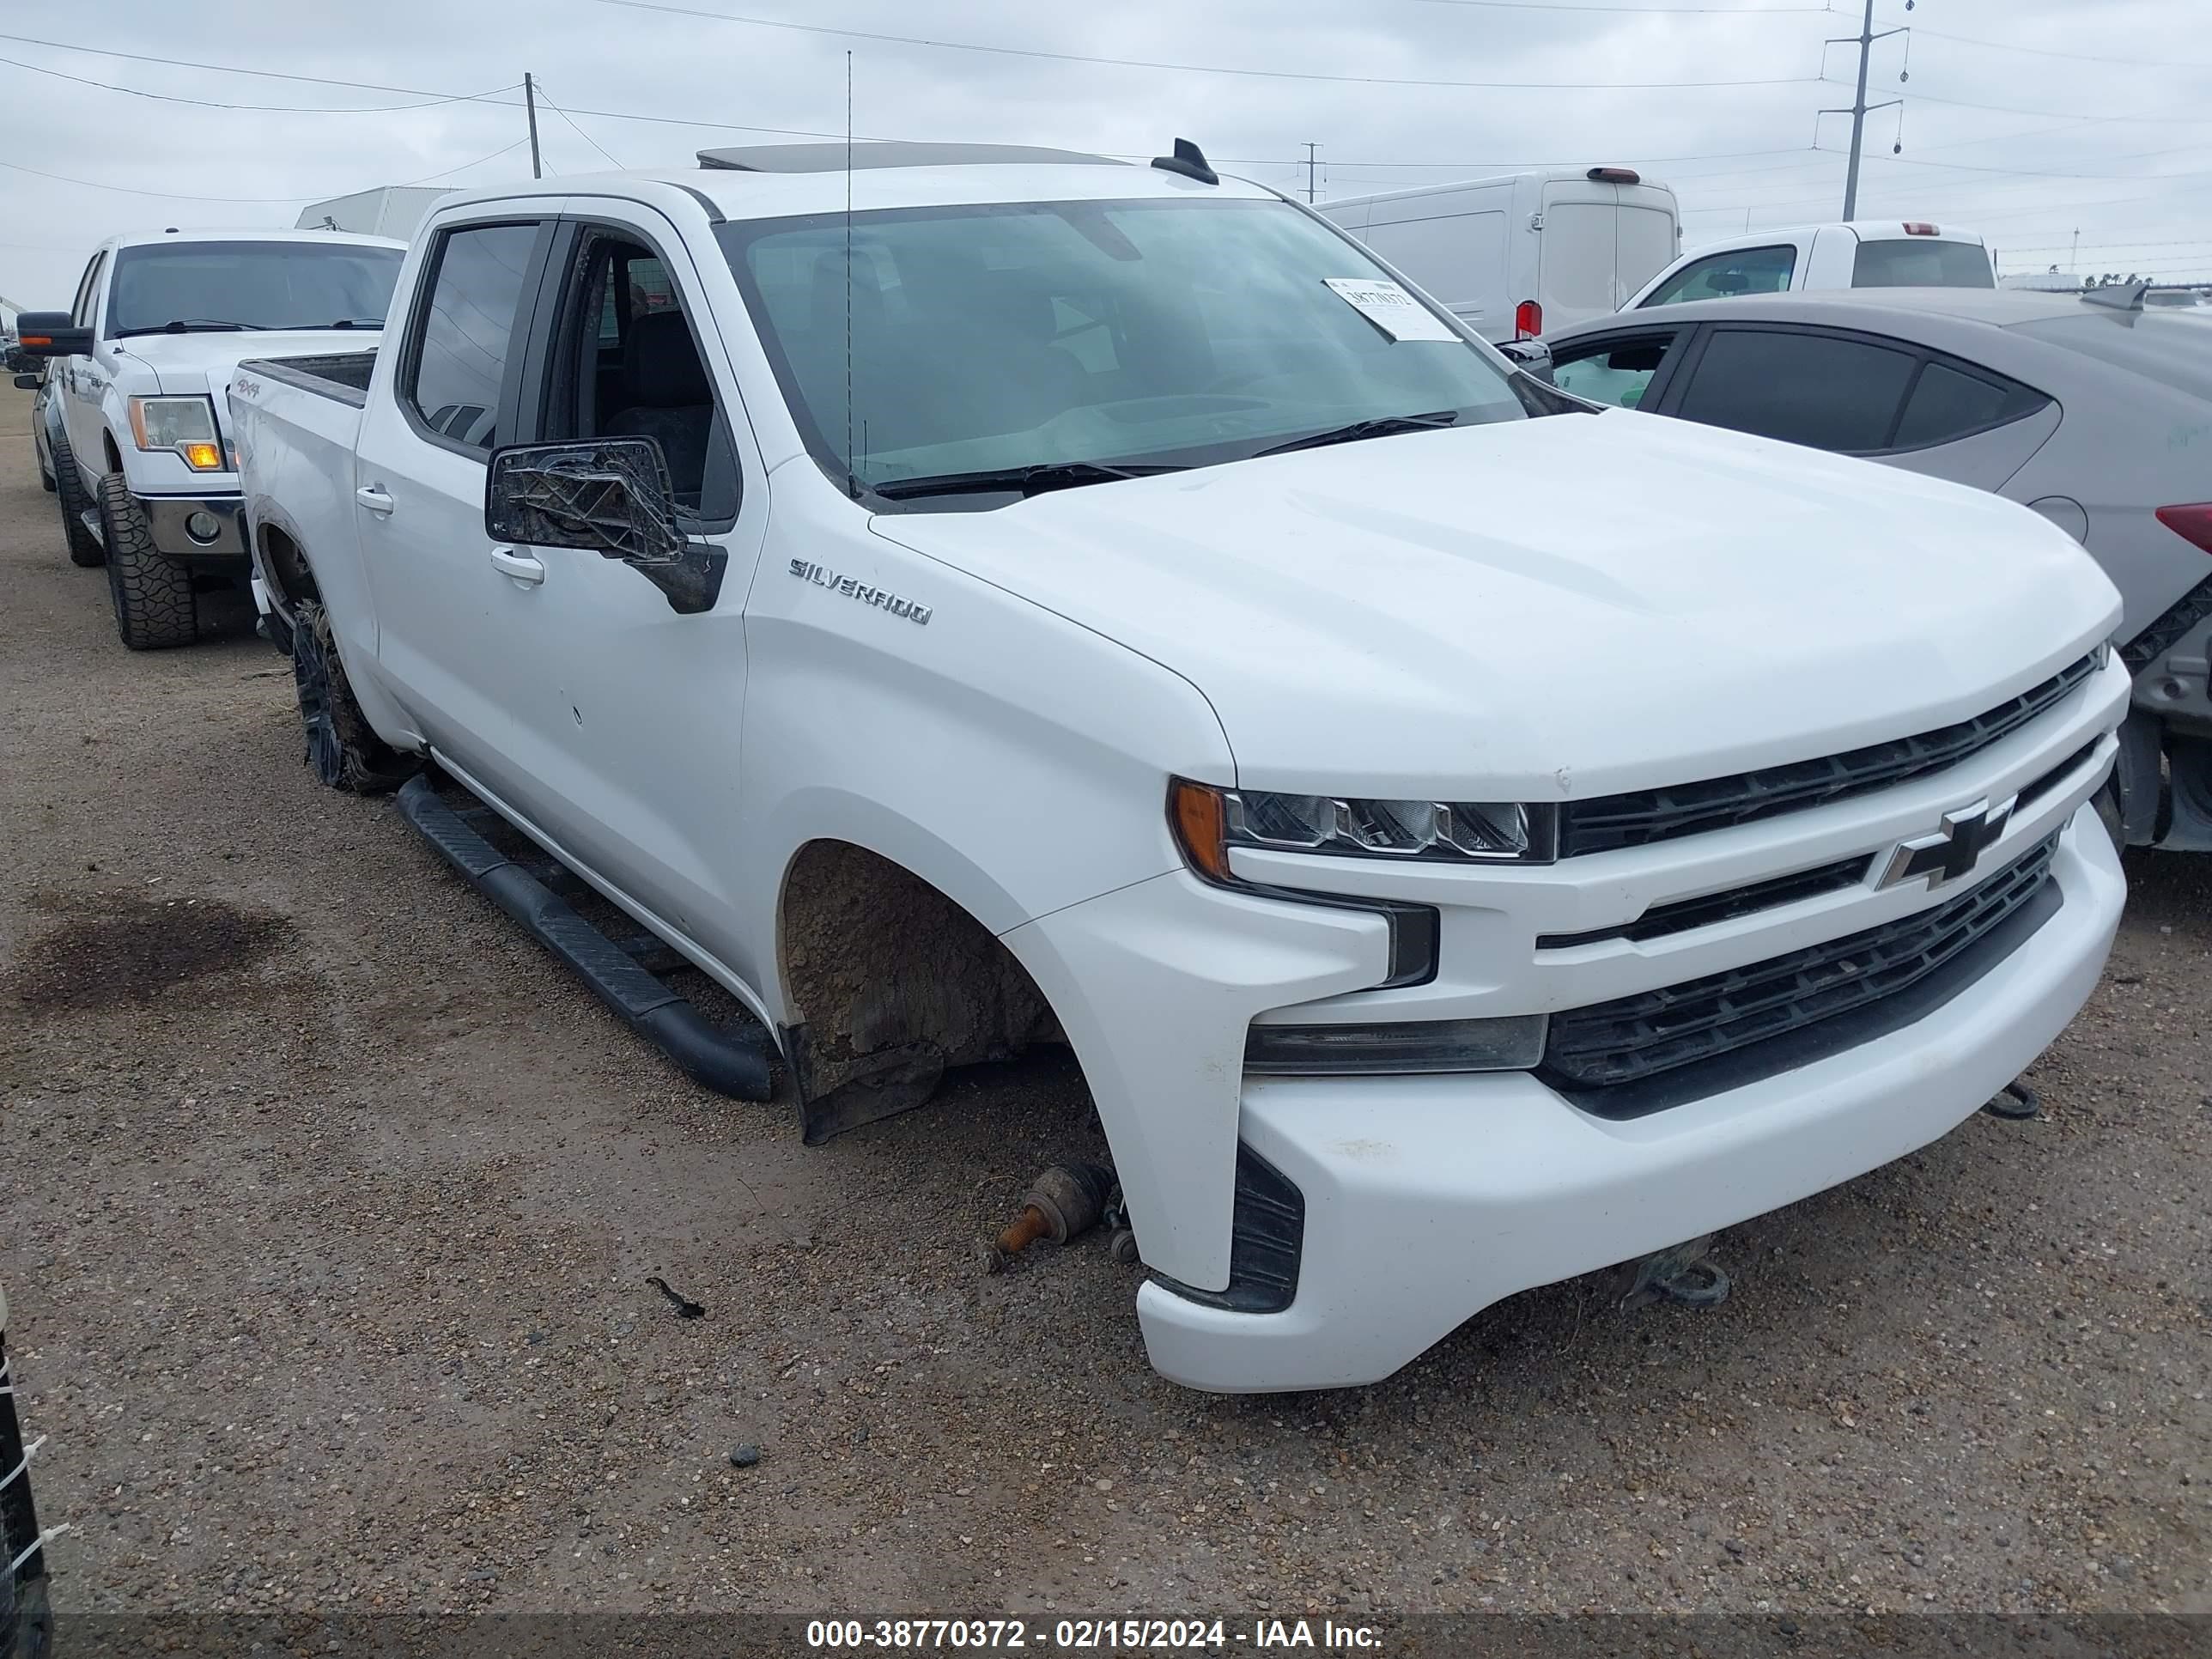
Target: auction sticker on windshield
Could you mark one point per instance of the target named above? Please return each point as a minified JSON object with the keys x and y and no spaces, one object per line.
{"x":1390,"y":309}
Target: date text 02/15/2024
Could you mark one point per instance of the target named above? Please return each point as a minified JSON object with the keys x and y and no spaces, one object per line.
{"x":1091,"y":1635}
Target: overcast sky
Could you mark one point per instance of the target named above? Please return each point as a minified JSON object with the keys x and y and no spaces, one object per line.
{"x":2120,"y":150}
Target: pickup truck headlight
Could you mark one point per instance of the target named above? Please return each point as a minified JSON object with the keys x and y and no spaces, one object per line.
{"x":183,"y":425}
{"x":1209,"y":821}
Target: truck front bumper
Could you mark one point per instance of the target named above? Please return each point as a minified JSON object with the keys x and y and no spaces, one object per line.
{"x":1426,"y":1199}
{"x":209,"y":529}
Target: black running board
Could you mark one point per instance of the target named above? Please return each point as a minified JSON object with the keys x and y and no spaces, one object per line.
{"x":733,"y":1063}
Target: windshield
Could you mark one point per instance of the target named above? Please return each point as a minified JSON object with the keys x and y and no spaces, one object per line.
{"x":2174,"y":348}
{"x":1051,"y":335}
{"x":250,"y":285}
{"x":1917,"y":262}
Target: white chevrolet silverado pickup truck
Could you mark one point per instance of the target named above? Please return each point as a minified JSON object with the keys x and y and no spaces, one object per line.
{"x":139,"y":444}
{"x":1467,"y":839}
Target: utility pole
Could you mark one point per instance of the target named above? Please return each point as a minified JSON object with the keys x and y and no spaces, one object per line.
{"x":1309,"y":172}
{"x":1864,"y":40}
{"x":530,"y":103}
{"x":2073,"y":259}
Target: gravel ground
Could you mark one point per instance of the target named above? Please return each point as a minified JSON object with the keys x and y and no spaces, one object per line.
{"x":331,"y":1199}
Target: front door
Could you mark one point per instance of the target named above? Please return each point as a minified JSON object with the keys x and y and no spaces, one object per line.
{"x":447,"y":640}
{"x":627,"y":714}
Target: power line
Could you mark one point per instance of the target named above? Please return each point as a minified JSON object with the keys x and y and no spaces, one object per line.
{"x":265,"y":109}
{"x":234,"y":68}
{"x":1641,"y":11}
{"x":573,"y":128}
{"x":2047,"y":51}
{"x":181,"y":195}
{"x":1199,"y":69}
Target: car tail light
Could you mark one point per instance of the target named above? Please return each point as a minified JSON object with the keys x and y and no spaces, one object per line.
{"x":1616,"y":175}
{"x":1528,"y":320}
{"x":1921,"y":228}
{"x":2192,"y":524}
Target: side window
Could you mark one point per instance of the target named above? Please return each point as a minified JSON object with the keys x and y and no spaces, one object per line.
{"x":1948,"y":403}
{"x":80,"y":314}
{"x":627,"y":365}
{"x":1616,"y":372}
{"x":1803,"y":388}
{"x":462,"y":339}
{"x":1720,"y":276}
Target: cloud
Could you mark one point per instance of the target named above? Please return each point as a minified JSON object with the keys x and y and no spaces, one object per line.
{"x":2138,"y":192}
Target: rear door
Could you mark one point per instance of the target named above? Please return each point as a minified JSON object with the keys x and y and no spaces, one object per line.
{"x":1885,"y":399}
{"x":1578,"y":252}
{"x":444,"y":640}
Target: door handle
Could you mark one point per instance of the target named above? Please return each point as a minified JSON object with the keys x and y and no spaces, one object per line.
{"x":374,"y":499}
{"x":520,"y":566}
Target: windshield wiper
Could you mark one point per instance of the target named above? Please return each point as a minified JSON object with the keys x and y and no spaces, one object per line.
{"x":189,"y":325}
{"x":1024,"y":481}
{"x":1386,"y":426}
{"x":342,"y":322}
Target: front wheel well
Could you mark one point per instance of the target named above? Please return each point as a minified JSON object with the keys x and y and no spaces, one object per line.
{"x":889,"y":983}
{"x":285,"y":562}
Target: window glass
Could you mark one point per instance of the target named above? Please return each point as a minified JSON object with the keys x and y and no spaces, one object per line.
{"x":1922,"y":262}
{"x":81,"y":314}
{"x":638,"y":372}
{"x":164,"y":285}
{"x":1620,"y":374}
{"x":460,"y":361}
{"x":1813,"y":389}
{"x":1159,"y":332}
{"x":1722,"y":275}
{"x":1946,"y":405}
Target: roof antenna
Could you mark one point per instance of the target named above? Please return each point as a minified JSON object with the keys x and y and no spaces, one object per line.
{"x":1190,"y":161}
{"x":852,"y":478}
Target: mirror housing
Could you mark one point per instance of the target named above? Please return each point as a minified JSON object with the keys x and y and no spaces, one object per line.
{"x":1531,"y":356}
{"x":29,"y":382}
{"x":606,"y":495}
{"x":610,"y":496}
{"x":51,"y":334}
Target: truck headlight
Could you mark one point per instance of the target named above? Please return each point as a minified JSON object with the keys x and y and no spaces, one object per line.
{"x":1209,"y":821}
{"x":183,"y":425}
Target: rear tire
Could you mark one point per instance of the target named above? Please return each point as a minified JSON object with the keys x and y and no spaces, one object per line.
{"x":84,"y":547}
{"x":155,"y":608}
{"x":342,"y":748}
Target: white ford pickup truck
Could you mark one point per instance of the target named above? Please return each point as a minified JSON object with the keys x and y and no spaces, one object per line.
{"x":142,"y":460}
{"x":1467,"y":840}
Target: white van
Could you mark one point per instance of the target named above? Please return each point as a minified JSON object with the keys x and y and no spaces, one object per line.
{"x":1513,"y":255}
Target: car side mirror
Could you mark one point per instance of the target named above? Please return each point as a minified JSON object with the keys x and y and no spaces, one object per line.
{"x":1533,"y":356}
{"x":606,"y":495}
{"x":29,"y":382}
{"x":51,"y":334}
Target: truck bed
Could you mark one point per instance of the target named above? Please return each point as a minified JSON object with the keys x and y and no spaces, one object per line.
{"x":343,"y":375}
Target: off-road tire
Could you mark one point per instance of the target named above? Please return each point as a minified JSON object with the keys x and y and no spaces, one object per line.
{"x":84,"y":547}
{"x":155,"y":608}
{"x":342,"y":748}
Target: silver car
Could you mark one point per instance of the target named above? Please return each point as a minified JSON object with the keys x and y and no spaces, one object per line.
{"x":2096,"y":413}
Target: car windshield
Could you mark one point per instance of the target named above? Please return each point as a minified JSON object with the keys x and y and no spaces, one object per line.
{"x":1917,"y":262}
{"x":2172,"y":347}
{"x":989,"y":340}
{"x":250,"y":285}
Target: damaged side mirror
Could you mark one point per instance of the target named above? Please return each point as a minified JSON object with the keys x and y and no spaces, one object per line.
{"x":606,"y":495}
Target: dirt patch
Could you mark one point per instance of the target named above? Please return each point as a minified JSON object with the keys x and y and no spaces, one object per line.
{"x":131,"y":949}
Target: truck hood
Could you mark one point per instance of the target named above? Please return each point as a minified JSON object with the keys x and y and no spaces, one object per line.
{"x":186,"y":363}
{"x":1561,"y":607}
